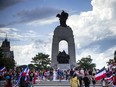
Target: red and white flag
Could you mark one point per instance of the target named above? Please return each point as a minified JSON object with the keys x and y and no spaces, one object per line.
{"x":109,"y":78}
{"x":25,"y":71}
{"x":101,"y":74}
{"x":27,"y":74}
{"x":3,"y":69}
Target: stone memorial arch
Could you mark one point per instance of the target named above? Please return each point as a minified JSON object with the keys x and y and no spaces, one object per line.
{"x":63,"y":32}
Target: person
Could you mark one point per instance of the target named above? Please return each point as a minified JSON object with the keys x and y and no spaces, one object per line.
{"x":71,"y":73}
{"x":54,"y":75}
{"x":31,"y":78}
{"x":51,"y":75}
{"x":74,"y":81}
{"x":93,"y":81}
{"x":22,"y":82}
{"x":82,"y":72}
{"x":60,"y":74}
{"x":103,"y":82}
{"x":80,"y":81}
{"x":67,"y":74}
{"x":114,"y":80}
{"x":8,"y":81}
{"x":86,"y":80}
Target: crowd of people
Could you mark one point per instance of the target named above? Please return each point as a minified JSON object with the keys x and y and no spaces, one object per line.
{"x":76,"y":77}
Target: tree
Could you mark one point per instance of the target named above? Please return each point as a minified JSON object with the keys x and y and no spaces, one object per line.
{"x":41,"y":60}
{"x":110,"y":61}
{"x":31,"y":66}
{"x":86,"y":63}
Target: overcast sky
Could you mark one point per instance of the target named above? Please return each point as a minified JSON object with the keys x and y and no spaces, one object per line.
{"x":29,"y":25}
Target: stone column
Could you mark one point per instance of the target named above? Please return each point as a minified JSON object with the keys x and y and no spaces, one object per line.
{"x":55,"y":49}
{"x":71,"y":50}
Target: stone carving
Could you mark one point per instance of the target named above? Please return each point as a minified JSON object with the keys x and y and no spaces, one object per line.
{"x":63,"y":17}
{"x":63,"y":58}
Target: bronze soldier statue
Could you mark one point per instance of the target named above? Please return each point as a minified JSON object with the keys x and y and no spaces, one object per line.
{"x":63,"y":17}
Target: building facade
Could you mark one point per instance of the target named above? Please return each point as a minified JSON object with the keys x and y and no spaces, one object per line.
{"x":7,"y":53}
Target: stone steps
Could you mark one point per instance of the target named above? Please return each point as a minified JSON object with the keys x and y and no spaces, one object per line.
{"x":64,"y":83}
{"x":58,"y":83}
{"x":53,"y":84}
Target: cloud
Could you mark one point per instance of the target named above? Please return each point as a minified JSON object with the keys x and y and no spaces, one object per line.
{"x":97,"y":57}
{"x":89,"y":26}
{"x":105,"y":44}
{"x":36,"y":14}
{"x":7,"y":3}
{"x":43,"y":21}
{"x":15,"y":34}
{"x":94,"y":31}
{"x":24,"y":53}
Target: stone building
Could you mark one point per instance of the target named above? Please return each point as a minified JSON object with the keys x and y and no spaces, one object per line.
{"x":6,"y":49}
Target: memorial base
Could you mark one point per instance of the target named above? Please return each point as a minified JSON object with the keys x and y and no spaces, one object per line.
{"x":63,"y":66}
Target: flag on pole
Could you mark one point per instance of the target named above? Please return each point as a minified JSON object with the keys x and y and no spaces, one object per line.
{"x":109,"y":78}
{"x":3,"y":69}
{"x":27,"y":74}
{"x":23,"y":73}
{"x":101,"y":74}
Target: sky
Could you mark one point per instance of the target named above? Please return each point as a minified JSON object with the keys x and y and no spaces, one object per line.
{"x":30,"y":24}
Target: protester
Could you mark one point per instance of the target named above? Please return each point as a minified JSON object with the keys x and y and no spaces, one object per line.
{"x":8,"y":81}
{"x":71,"y":73}
{"x":74,"y":81}
{"x":114,"y":80}
{"x":86,"y":80}
{"x":51,"y":75}
{"x":60,"y":74}
{"x":22,"y":82}
{"x":31,"y":78}
{"x":81,"y":81}
{"x":93,"y":80}
{"x":103,"y":82}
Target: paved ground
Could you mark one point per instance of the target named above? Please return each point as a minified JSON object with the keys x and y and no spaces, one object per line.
{"x":64,"y":86}
{"x":53,"y":85}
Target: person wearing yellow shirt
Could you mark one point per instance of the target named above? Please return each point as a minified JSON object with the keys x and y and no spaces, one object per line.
{"x":74,"y":81}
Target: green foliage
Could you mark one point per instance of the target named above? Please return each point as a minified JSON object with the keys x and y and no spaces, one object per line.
{"x":109,"y":62}
{"x":31,"y":66}
{"x":112,"y":60}
{"x":41,"y":60}
{"x":86,"y":63}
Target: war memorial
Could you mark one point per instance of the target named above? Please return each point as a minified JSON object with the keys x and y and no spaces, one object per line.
{"x":62,"y":60}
